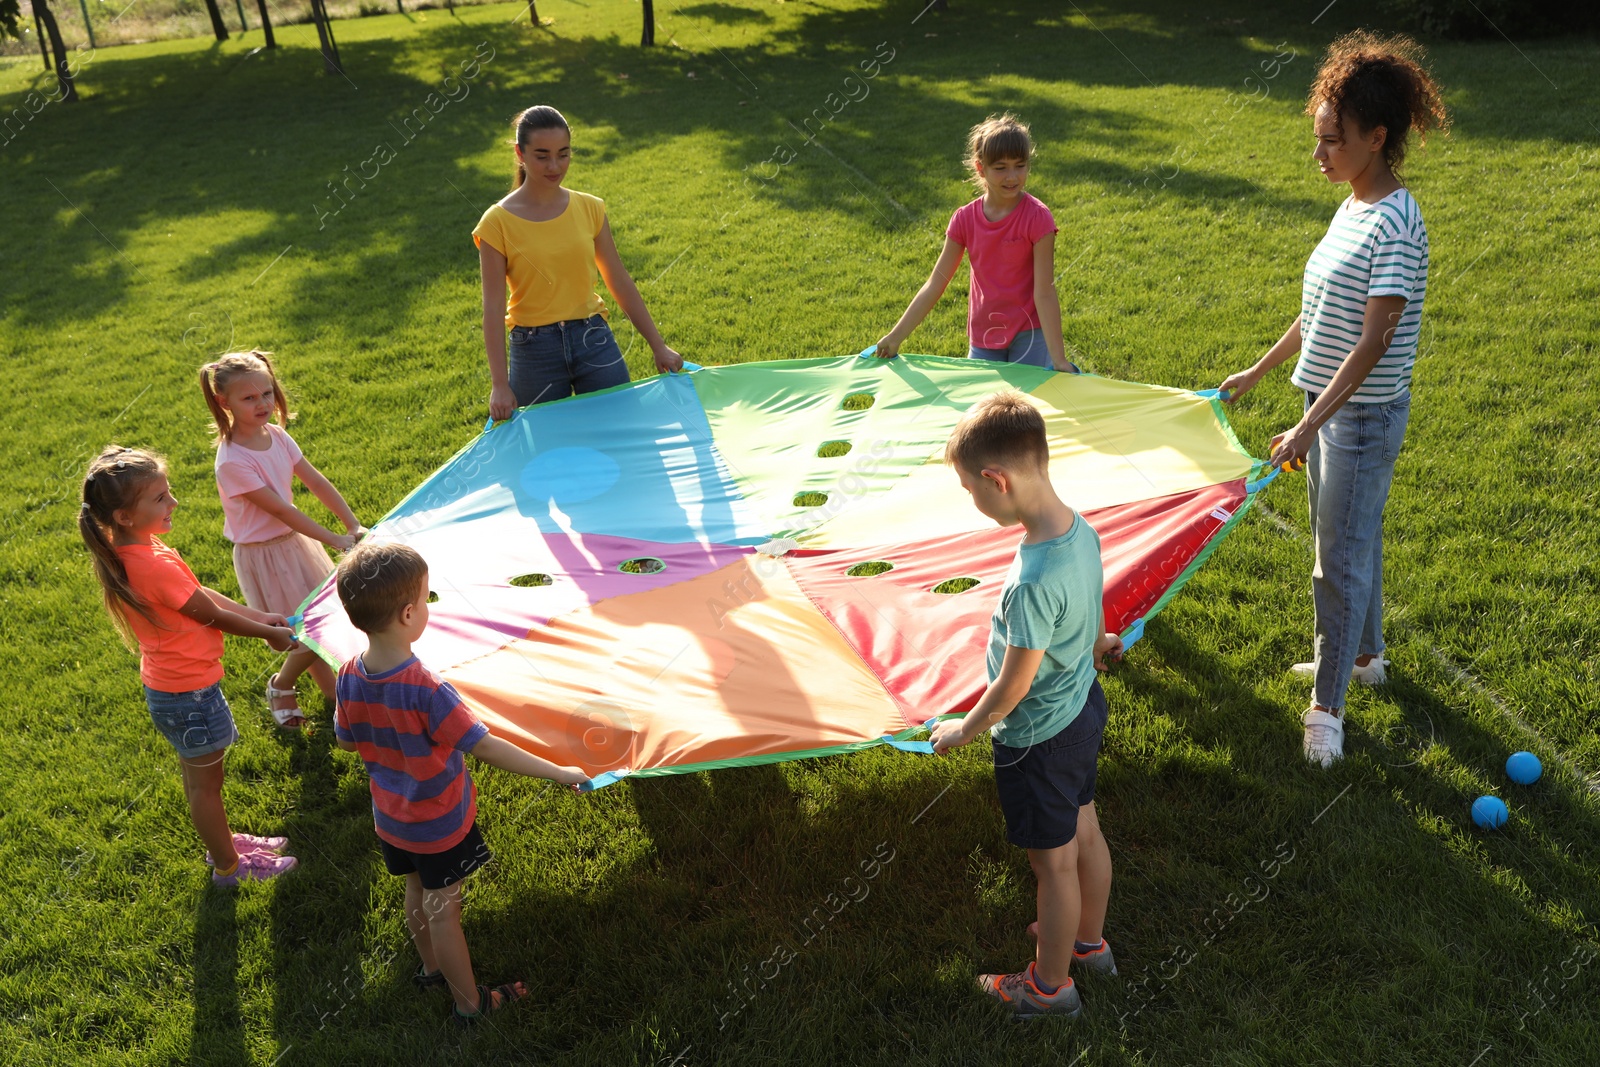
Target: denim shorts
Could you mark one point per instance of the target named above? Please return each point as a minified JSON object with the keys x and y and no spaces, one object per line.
{"x":1042,"y":786}
{"x":1028,"y":347}
{"x":554,"y":361}
{"x":196,"y":723}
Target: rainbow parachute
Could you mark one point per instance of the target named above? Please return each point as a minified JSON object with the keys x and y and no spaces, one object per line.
{"x":764,"y":561}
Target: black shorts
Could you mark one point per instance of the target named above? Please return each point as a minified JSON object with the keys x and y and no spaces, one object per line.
{"x":439,"y":869}
{"x":1042,"y":786}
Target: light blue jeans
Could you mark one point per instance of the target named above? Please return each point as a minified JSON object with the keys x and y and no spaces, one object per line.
{"x":1027,"y":346}
{"x":1348,"y":471}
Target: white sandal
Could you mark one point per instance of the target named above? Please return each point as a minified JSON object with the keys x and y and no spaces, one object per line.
{"x":287,"y":718}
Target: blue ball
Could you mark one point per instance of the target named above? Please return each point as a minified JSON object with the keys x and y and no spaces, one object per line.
{"x":1524,"y":768}
{"x":1489,"y":812}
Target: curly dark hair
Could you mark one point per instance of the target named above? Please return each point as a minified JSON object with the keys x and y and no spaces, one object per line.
{"x":1375,"y":81}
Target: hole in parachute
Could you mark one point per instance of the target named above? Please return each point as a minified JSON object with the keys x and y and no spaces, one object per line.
{"x":531,"y":581}
{"x":833,"y":449}
{"x":857,"y":402}
{"x":869,"y":568}
{"x":810,"y":500}
{"x":643,"y":565}
{"x":953,"y":586}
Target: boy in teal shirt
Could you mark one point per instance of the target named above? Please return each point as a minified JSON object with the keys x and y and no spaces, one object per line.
{"x":1044,"y":708}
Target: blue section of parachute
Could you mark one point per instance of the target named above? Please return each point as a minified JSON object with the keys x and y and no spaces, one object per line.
{"x":652,"y":472}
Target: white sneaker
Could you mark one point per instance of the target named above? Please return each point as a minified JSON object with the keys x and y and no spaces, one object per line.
{"x":1324,"y":741}
{"x":1372,"y":674}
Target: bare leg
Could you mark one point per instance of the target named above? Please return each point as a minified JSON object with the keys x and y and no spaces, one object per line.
{"x":299,"y":662}
{"x":442,"y":913}
{"x":1060,"y":905}
{"x":1094,"y":876}
{"x":417,"y":923}
{"x":202,"y":788}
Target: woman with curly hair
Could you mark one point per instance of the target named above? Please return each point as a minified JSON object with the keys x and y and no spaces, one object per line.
{"x":1356,"y":336}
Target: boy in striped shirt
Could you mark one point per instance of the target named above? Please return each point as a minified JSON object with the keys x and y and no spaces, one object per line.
{"x":410,"y":728}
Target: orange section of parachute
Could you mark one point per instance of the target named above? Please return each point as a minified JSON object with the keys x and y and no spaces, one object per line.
{"x":733,"y":664}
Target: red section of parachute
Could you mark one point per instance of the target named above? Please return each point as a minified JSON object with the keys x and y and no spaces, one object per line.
{"x":928,"y":648}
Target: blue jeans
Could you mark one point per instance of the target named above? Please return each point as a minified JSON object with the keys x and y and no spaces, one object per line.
{"x":196,"y":723}
{"x":1348,"y":471}
{"x":1028,"y":346}
{"x":562,"y":358}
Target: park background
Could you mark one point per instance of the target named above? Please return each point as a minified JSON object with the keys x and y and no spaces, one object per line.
{"x":1264,"y":912}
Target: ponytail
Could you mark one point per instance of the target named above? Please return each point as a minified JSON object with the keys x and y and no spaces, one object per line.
{"x":113,"y":482}
{"x":538,"y":117}
{"x":214,"y":379}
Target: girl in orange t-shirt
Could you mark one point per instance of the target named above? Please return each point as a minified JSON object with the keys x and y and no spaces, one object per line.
{"x":278,"y":550}
{"x":155,"y":600}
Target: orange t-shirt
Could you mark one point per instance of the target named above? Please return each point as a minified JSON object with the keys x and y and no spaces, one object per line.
{"x":178,"y":655}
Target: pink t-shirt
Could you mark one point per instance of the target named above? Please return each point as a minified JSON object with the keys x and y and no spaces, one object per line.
{"x":243,"y":470}
{"x":1000,"y":298}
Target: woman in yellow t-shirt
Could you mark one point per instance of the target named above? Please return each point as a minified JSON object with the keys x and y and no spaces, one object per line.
{"x":539,"y":249}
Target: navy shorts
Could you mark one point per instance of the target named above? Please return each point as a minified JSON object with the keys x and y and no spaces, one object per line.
{"x":1042,"y":786}
{"x":196,"y":723}
{"x":439,"y":869}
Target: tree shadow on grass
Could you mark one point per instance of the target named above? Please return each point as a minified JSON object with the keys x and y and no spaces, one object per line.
{"x":217,"y":1035}
{"x":372,"y":247}
{"x":1380,"y":852}
{"x":322,"y":960}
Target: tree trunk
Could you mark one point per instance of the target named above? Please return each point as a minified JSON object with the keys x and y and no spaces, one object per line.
{"x":266,"y":24}
{"x":38,"y":29}
{"x":41,"y":9}
{"x":330,"y":49}
{"x":216,"y":20}
{"x":649,"y":37}
{"x":398,"y":8}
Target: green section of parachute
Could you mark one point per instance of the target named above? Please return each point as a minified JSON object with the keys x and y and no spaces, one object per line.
{"x":770,"y":419}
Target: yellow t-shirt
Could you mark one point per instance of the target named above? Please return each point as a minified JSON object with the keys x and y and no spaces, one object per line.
{"x":550,"y":272}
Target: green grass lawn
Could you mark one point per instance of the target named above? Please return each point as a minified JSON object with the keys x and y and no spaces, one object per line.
{"x":1263,"y":913}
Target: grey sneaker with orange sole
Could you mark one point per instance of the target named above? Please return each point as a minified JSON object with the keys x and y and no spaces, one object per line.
{"x":1021,"y":993}
{"x":1100,"y":961}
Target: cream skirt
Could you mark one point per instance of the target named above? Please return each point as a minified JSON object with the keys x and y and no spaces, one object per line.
{"x":277,"y":575}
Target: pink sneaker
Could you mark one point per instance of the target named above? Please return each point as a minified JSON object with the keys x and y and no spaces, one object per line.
{"x":243,"y":843}
{"x":256,"y":867}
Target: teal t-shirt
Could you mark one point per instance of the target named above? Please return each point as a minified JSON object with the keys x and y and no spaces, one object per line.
{"x":1051,"y":601}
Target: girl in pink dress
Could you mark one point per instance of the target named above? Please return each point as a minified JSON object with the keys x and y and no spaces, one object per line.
{"x":278,"y":551}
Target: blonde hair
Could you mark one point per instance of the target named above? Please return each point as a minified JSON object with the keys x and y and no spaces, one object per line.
{"x":997,"y":137}
{"x":214,"y":379}
{"x":1001,"y":430}
{"x":377,"y":580}
{"x":114,"y":480}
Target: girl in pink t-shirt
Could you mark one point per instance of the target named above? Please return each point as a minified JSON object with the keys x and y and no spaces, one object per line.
{"x":1013,"y":313}
{"x":276,"y":553}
